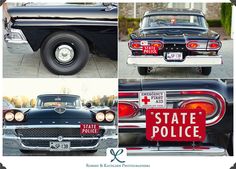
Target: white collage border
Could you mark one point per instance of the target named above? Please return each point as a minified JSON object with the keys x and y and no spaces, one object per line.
{"x":79,"y":162}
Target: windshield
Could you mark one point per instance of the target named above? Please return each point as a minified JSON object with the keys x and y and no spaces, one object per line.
{"x":58,"y":101}
{"x":174,"y":21}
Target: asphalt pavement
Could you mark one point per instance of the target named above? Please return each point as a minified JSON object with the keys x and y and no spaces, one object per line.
{"x":31,"y":66}
{"x":15,"y":152}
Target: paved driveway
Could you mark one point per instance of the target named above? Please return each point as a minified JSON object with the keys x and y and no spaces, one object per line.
{"x":16,"y":152}
{"x":31,"y":66}
{"x":220,"y":71}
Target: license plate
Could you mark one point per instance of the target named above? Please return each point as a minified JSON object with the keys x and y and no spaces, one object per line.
{"x":174,"y":56}
{"x":175,"y":125}
{"x":89,"y":129}
{"x":152,"y":99}
{"x":147,"y":50}
{"x":59,"y":146}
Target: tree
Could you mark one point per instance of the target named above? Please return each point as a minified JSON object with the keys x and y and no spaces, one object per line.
{"x":33,"y":102}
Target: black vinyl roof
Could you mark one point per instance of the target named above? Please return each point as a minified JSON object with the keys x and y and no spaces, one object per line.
{"x":57,"y":95}
{"x":174,"y":11}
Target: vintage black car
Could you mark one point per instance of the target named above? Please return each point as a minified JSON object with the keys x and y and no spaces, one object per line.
{"x":174,"y":38}
{"x":176,"y":117}
{"x":60,"y":123}
{"x":65,"y":34}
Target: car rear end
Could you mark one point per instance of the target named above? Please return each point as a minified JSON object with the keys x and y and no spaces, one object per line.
{"x":142,"y":134}
{"x":160,"y":52}
{"x":174,"y":39}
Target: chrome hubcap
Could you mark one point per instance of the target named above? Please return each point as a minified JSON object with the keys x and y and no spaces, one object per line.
{"x":64,"y":53}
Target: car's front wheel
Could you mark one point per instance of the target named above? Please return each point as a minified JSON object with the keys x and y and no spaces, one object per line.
{"x":64,"y":53}
{"x":143,"y":70}
{"x":206,"y":70}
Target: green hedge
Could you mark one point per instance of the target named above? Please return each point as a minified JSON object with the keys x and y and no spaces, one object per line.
{"x":128,"y":25}
{"x":226,"y":15}
{"x":214,"y":23}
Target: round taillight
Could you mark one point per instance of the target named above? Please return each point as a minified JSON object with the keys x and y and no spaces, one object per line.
{"x":214,"y":45}
{"x":127,"y":110}
{"x":192,"y":45}
{"x":209,"y":107}
{"x":158,"y":45}
{"x":135,"y":45}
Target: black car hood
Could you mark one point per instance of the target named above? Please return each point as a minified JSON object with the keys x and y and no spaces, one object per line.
{"x":177,"y":33}
{"x":52,"y":114}
{"x":70,"y":12}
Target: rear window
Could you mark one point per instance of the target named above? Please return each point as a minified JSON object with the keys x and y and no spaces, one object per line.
{"x":173,"y":20}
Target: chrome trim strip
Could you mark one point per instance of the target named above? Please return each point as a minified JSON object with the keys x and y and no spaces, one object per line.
{"x":64,"y":22}
{"x":50,"y":126}
{"x":56,"y":138}
{"x":140,"y":125}
{"x":209,"y":121}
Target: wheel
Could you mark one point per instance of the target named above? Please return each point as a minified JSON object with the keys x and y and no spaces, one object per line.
{"x":91,"y":151}
{"x":142,"y":70}
{"x":25,"y":151}
{"x":64,"y":53}
{"x":206,"y":70}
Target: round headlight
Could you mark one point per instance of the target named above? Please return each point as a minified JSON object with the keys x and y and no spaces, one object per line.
{"x":19,"y":116}
{"x":110,"y":116}
{"x":9,"y":116}
{"x":100,"y":116}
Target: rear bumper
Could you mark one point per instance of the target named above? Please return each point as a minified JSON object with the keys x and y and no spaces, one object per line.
{"x":11,"y":140}
{"x":190,"y":61}
{"x":132,"y":137}
{"x":174,"y":151}
{"x":16,"y":42}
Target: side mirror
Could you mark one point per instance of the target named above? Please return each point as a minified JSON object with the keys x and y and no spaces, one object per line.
{"x":132,"y":36}
{"x":88,"y":105}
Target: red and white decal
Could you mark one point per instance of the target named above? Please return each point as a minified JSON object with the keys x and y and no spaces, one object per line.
{"x":89,"y":128}
{"x":175,"y":125}
{"x":152,"y":99}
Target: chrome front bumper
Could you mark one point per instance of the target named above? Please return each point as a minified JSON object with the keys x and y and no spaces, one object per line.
{"x":11,"y":140}
{"x":16,"y":42}
{"x":159,"y":61}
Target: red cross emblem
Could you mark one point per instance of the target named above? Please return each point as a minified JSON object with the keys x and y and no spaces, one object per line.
{"x":145,"y":100}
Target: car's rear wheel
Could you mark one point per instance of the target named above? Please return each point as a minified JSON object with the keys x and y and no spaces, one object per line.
{"x":206,"y":70}
{"x":64,"y":53}
{"x":143,"y":70}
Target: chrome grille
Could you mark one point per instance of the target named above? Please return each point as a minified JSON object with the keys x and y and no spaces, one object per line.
{"x":55,"y":132}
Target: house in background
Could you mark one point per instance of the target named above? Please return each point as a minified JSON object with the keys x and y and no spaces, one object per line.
{"x":212,"y":11}
{"x":136,"y":10}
